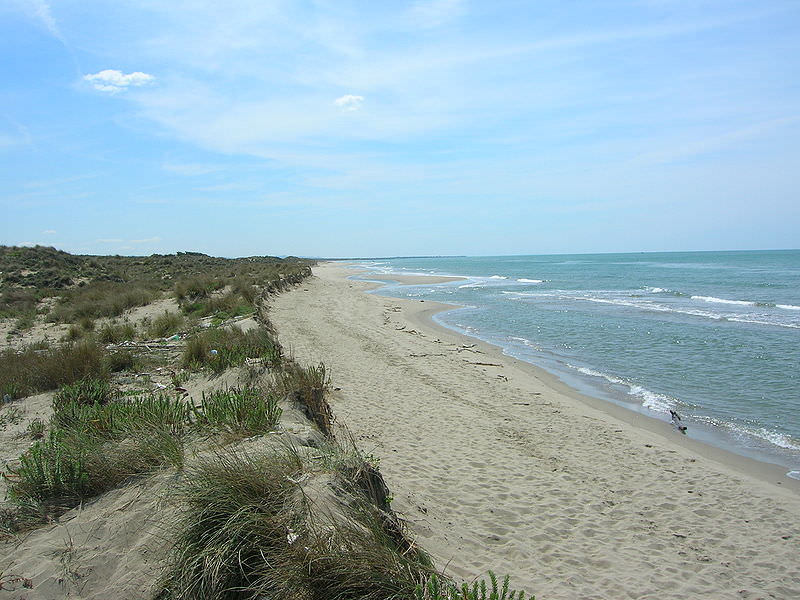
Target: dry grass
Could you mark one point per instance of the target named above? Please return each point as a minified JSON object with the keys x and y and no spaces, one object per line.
{"x":34,"y":369}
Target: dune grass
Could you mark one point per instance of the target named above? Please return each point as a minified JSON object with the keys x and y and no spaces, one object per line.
{"x":236,"y":512}
{"x":102,"y":299}
{"x":114,"y":333}
{"x":221,"y":348}
{"x":307,"y":385}
{"x":240,"y":411}
{"x":34,"y":369}
{"x":166,"y":324}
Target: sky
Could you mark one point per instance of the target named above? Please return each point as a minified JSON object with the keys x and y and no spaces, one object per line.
{"x":425,"y":127}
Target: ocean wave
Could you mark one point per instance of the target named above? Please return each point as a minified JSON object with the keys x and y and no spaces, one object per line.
{"x":651,"y":400}
{"x":793,"y":474}
{"x":524,"y":342}
{"x":774,"y":438}
{"x":530,"y":280}
{"x":498,"y":277}
{"x":647,"y":305}
{"x":787,"y":306}
{"x":724,"y":301}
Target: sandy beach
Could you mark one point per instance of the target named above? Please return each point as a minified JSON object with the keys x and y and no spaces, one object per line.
{"x":497,"y":465}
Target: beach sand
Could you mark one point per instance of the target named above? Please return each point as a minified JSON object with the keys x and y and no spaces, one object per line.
{"x":497,"y":465}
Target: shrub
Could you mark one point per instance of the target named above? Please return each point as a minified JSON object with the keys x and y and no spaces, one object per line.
{"x":101,"y":299}
{"x":114,"y":333}
{"x":196,"y":287}
{"x":121,"y":360}
{"x":69,"y":466}
{"x":166,"y":324}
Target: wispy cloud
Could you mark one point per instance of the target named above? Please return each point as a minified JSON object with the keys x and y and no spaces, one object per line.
{"x":113,"y":81}
{"x":41,"y":12}
{"x":49,"y":232}
{"x":349,"y":102}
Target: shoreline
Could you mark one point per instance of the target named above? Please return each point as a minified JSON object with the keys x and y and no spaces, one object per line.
{"x":764,"y":470}
{"x":495,"y":464}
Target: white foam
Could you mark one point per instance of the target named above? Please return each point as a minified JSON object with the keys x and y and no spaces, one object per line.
{"x":723,"y":300}
{"x":656,"y":290}
{"x":793,"y":474}
{"x":530,"y":280}
{"x":787,"y":306}
{"x":498,"y":277}
{"x":652,"y":400}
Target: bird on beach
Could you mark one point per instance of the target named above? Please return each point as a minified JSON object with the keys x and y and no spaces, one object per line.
{"x":676,"y":421}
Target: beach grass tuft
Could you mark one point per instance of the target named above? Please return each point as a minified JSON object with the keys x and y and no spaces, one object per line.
{"x":221,"y":348}
{"x":235,"y":517}
{"x":241,"y":411}
{"x":307,"y":386}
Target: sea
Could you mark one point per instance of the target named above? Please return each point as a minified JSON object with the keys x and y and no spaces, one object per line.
{"x":714,"y":336}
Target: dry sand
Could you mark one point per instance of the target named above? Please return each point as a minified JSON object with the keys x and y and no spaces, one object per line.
{"x":497,"y":465}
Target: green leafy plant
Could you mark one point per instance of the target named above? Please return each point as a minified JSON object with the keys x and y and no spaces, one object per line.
{"x":244,"y":411}
{"x":434,"y":589}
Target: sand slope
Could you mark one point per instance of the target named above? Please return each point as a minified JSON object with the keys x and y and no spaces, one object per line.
{"x":497,"y":468}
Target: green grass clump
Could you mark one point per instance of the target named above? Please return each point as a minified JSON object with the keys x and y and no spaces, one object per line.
{"x":221,"y":348}
{"x":33,"y":369}
{"x":89,"y":390}
{"x":194,"y":288}
{"x":121,"y":417}
{"x":166,"y":324}
{"x":92,"y":447}
{"x":114,"y":333}
{"x":236,"y":512}
{"x":307,"y":385}
{"x":243,"y":411}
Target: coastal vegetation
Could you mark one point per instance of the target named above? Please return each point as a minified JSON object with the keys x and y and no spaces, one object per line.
{"x":269,"y":496}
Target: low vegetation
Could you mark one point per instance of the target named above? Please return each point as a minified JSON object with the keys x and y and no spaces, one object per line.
{"x":256,"y":518}
{"x":222,"y":348}
{"x":38,"y":369}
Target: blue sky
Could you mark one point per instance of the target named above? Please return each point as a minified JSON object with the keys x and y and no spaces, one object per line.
{"x":337,"y":128}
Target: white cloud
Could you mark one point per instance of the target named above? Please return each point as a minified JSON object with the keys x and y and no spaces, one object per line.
{"x":49,"y":232}
{"x":113,"y":81}
{"x":349,"y":102}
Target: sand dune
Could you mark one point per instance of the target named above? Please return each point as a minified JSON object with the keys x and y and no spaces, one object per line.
{"x":496,"y":465}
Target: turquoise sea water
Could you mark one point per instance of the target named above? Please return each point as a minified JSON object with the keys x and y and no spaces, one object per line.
{"x":713,"y":335}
